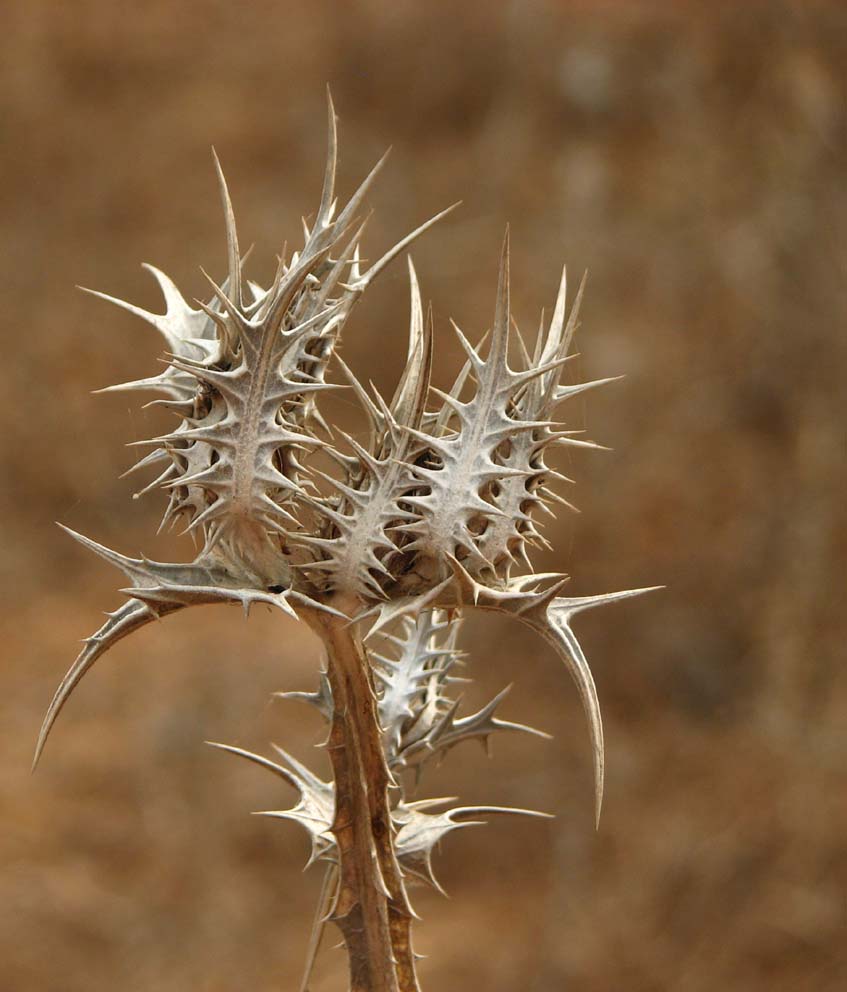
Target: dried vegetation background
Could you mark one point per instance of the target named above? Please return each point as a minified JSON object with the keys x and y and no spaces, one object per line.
{"x":693,"y":157}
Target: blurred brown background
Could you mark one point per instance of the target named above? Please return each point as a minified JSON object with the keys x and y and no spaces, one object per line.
{"x":693,"y":157}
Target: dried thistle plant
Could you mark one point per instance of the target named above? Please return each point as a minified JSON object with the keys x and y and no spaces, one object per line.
{"x":434,"y":515}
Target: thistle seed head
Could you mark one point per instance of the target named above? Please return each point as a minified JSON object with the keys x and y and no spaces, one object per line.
{"x":437,"y":510}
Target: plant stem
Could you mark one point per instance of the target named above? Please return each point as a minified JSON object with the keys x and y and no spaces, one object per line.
{"x":371,"y":908}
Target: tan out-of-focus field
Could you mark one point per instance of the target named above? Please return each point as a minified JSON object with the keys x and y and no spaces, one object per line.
{"x":693,"y":157}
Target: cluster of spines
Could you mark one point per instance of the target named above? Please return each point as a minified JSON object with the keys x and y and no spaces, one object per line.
{"x":360,"y":535}
{"x":418,"y":719}
{"x":243,"y":377}
{"x":436,"y":510}
{"x":415,"y":672}
{"x":459,"y":482}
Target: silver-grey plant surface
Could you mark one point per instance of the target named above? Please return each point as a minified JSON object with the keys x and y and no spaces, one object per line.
{"x":379,"y":544}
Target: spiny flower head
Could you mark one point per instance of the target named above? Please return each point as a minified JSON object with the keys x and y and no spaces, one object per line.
{"x":437,"y":510}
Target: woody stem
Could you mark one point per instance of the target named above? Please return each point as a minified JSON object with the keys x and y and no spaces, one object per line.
{"x":371,"y":908}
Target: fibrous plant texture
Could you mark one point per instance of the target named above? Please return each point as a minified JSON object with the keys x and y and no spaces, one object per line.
{"x":378,"y":543}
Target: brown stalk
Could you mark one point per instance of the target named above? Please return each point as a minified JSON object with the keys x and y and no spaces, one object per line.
{"x":371,"y":907}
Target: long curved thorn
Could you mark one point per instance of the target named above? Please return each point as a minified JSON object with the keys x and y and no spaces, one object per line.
{"x":414,"y":351}
{"x":401,"y":245}
{"x":234,"y":256}
{"x":556,"y":629}
{"x":463,"y":813}
{"x":562,"y":638}
{"x":157,"y":320}
{"x":355,"y":202}
{"x":409,"y":398}
{"x":127,"y":565}
{"x":573,"y":317}
{"x":129,"y":617}
{"x":328,"y":190}
{"x":259,"y":759}
{"x":498,"y":352}
{"x":572,"y":605}
{"x":566,"y":392}
{"x":298,"y":769}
